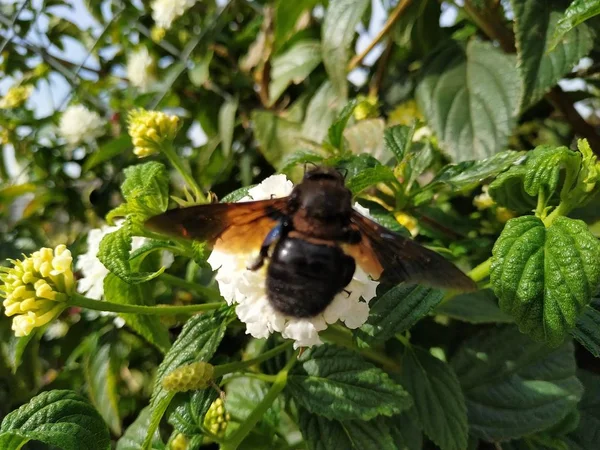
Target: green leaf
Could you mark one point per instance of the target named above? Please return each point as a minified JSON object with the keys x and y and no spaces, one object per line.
{"x":188,"y":416}
{"x":199,"y":73}
{"x":286,"y":16}
{"x":227,"y":124}
{"x":406,"y":430}
{"x":578,"y":12}
{"x":396,"y":311}
{"x":587,"y":329}
{"x":544,"y":277}
{"x":147,"y":326}
{"x":323,"y":434}
{"x":535,"y":22}
{"x":366,"y":136}
{"x":543,"y":167}
{"x":136,"y":433}
{"x":321,"y":112}
{"x":438,"y":398}
{"x":16,"y":349}
{"x":370,"y":177}
{"x":508,"y":190}
{"x":398,"y":140}
{"x":338,"y":32}
{"x":293,"y":66}
{"x":470,"y":97}
{"x":474,"y":307}
{"x":198,"y":341}
{"x":107,"y":151}
{"x":335,"y":133}
{"x":588,"y":431}
{"x":337,"y":384}
{"x":114,"y":253}
{"x":99,"y":370}
{"x":276,"y":136}
{"x":57,"y":418}
{"x":146,"y":189}
{"x":514,"y":386}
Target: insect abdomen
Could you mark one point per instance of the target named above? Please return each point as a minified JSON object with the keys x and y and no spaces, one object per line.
{"x":303,"y":278}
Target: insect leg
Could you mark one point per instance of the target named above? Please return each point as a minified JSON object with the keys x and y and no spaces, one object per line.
{"x":273,"y":235}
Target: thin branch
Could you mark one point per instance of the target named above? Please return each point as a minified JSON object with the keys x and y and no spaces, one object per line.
{"x":381,"y":66}
{"x":392,"y":19}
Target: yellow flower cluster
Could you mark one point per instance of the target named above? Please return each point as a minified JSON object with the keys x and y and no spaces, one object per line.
{"x":16,"y":96}
{"x":36,"y":289}
{"x":150,"y":129}
{"x":405,"y":114}
{"x":217,"y":418}
{"x":367,"y":107}
{"x":179,"y":442}
{"x":197,"y":375}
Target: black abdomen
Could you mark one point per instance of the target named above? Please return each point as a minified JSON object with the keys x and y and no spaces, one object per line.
{"x":303,"y":278}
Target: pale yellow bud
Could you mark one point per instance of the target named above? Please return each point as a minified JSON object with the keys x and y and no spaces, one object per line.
{"x":16,"y":96}
{"x":483,"y":200}
{"x":150,"y":130}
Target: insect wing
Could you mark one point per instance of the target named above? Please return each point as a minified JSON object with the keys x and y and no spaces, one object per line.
{"x":231,"y":227}
{"x":398,"y":259}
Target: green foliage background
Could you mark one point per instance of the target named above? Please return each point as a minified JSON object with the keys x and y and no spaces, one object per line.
{"x":459,"y":134}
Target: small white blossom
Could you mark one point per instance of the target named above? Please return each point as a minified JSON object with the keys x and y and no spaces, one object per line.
{"x":247,"y":289}
{"x":140,"y":69}
{"x":79,"y":124}
{"x":164,"y":12}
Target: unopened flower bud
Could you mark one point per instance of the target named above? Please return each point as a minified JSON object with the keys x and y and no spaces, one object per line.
{"x":193,"y":376}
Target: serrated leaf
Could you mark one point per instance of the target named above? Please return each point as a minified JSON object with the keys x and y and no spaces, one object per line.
{"x":323,"y":434}
{"x":107,"y":151}
{"x":587,"y":329}
{"x":535,"y":23}
{"x":58,"y":418}
{"x":587,"y":434}
{"x":338,"y":32}
{"x":544,"y":277}
{"x":543,"y":167}
{"x":398,"y":140}
{"x":335,"y":134}
{"x":227,"y":124}
{"x":146,"y":189}
{"x":337,"y":384}
{"x":293,"y":66}
{"x":198,"y":341}
{"x":578,"y":12}
{"x":320,"y":112}
{"x":370,"y":177}
{"x":277,"y":137}
{"x":147,"y":326}
{"x":514,"y":386}
{"x":99,"y":370}
{"x":470,"y":97}
{"x":474,"y":307}
{"x":286,"y":16}
{"x":406,"y":430}
{"x":438,"y":398}
{"x":188,"y":416}
{"x":136,"y":433}
{"x":115,"y":251}
{"x":396,"y":311}
{"x":508,"y":190}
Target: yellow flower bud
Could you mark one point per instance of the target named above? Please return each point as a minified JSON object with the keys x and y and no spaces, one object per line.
{"x":483,"y":200}
{"x":217,"y":418}
{"x":157,"y":33}
{"x":409,"y":222}
{"x":149,"y":130}
{"x":35,"y":289}
{"x":180,"y":442}
{"x":193,"y":376}
{"x":405,"y":114}
{"x":16,"y":96}
{"x":367,"y":107}
{"x":504,"y":214}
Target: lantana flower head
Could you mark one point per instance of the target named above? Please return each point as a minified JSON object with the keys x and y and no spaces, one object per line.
{"x":78,"y":124}
{"x":247,"y":289}
{"x":16,"y":96}
{"x":151,"y":129}
{"x":164,"y":12}
{"x":141,"y":69}
{"x":37,"y":288}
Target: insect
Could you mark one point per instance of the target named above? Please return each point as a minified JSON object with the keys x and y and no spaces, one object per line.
{"x":312,"y":240}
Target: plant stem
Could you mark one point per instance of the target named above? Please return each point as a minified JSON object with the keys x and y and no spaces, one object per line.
{"x":168,"y":150}
{"x":482,"y":271}
{"x":202,"y":291}
{"x":394,"y":16}
{"x":246,"y":427}
{"x":239,"y":365}
{"x":159,"y":310}
{"x":343,"y":337}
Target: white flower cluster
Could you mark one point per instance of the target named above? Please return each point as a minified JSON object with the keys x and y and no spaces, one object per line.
{"x":78,"y":124}
{"x":164,"y":12}
{"x":92,"y":282}
{"x":247,"y":289}
{"x":140,"y":69}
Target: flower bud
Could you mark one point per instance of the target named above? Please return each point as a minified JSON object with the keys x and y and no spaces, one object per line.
{"x":149,"y":130}
{"x":217,"y":418}
{"x":193,"y":376}
{"x":35,"y":289}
